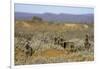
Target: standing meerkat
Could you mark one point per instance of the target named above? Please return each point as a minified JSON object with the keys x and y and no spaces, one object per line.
{"x":28,"y":50}
{"x":86,"y":42}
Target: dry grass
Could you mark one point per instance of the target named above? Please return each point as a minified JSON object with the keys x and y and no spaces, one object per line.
{"x":46,"y":51}
{"x":53,"y":56}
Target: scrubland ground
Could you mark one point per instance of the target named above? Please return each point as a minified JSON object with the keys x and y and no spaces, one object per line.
{"x":42,"y":36}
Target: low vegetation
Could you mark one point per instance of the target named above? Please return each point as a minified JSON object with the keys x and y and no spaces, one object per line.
{"x":52,"y":42}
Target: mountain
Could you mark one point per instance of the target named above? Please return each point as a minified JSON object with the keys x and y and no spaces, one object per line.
{"x":84,"y":18}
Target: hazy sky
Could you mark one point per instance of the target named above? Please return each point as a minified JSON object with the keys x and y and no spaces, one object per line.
{"x":52,"y":9}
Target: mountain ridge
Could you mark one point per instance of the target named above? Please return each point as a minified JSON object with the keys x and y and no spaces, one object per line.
{"x":62,"y":17}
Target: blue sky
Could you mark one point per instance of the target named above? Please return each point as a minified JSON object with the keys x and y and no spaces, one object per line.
{"x":29,"y":8}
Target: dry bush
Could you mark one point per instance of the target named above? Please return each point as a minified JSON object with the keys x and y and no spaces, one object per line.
{"x":44,"y":49}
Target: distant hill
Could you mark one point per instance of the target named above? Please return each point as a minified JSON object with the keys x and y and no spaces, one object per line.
{"x":85,"y":18}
